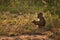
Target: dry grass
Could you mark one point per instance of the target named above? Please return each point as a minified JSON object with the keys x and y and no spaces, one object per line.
{"x":26,"y":37}
{"x":18,"y":23}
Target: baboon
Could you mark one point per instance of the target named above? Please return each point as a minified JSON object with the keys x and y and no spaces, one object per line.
{"x":41,"y":22}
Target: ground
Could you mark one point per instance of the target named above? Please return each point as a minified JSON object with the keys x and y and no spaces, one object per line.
{"x":26,"y":37}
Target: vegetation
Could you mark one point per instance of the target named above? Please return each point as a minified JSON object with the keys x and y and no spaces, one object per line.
{"x":16,"y":16}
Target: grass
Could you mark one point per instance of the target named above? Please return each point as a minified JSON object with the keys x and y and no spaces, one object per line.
{"x":16,"y":17}
{"x":24,"y":22}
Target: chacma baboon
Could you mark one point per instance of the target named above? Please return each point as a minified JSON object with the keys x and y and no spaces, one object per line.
{"x":41,"y":22}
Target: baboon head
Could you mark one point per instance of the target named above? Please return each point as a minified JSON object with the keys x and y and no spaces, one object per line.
{"x":40,"y":15}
